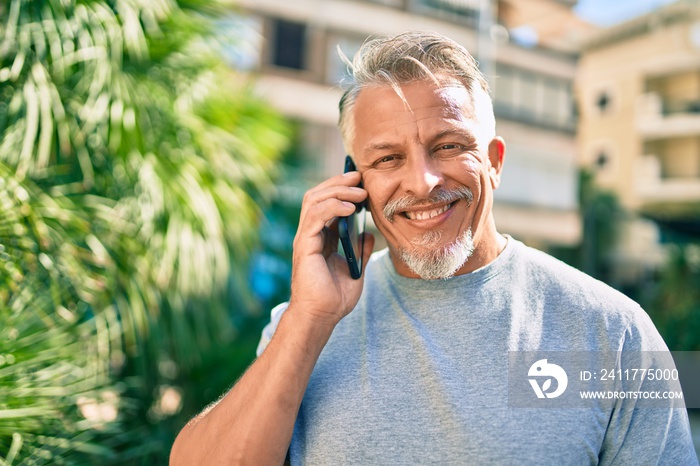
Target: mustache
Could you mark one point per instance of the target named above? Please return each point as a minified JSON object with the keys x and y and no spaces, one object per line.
{"x":447,"y":196}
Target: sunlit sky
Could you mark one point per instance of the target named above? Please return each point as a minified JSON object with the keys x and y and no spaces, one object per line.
{"x":609,"y":12}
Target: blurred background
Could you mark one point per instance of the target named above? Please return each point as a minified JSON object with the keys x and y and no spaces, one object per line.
{"x":154,"y":153}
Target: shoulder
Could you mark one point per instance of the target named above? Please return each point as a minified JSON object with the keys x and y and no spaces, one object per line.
{"x":585,"y":300}
{"x":549,"y":276}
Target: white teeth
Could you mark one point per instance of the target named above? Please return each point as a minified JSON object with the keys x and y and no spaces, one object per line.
{"x":426,"y":214}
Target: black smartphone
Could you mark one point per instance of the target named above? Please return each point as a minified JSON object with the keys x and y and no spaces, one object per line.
{"x":351,"y":232}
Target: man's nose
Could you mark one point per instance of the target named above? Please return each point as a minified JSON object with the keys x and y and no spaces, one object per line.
{"x":423,"y":175}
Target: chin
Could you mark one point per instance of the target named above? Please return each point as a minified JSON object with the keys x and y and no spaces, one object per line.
{"x":434,"y":263}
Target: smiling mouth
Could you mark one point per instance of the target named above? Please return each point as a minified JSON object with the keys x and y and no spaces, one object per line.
{"x":427,"y":214}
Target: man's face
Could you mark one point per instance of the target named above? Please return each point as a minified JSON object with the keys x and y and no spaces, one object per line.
{"x":430,"y":165}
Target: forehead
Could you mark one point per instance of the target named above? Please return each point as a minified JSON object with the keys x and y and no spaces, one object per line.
{"x":448,"y":99}
{"x":422,"y":107}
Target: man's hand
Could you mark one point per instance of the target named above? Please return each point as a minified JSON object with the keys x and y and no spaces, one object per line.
{"x":322,"y":288}
{"x":254,"y":422}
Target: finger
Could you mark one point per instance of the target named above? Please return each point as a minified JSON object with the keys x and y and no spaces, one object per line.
{"x":347,"y":180}
{"x":318,"y":195}
{"x":332,"y":225}
{"x":344,"y":193}
{"x":309,"y":238}
{"x":330,"y":238}
{"x":325,"y":214}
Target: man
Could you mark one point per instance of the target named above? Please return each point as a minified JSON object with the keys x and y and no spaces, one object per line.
{"x":409,"y":364}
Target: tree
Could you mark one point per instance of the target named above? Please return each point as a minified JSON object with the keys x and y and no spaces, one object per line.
{"x":132,"y":162}
{"x":674,"y":300}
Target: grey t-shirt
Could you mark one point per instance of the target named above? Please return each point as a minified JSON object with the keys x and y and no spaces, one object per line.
{"x":417,"y":373}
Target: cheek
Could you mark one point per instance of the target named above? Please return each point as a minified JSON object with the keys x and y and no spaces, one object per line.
{"x":470,"y":172}
{"x":375,"y":204}
{"x":378,"y":191}
{"x":472,"y":165}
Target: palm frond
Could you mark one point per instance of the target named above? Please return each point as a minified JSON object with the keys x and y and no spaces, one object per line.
{"x":130,"y":176}
{"x":53,"y":350}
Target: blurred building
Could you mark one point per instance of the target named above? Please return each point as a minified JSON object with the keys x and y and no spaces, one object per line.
{"x":295,"y":54}
{"x":638,"y":89}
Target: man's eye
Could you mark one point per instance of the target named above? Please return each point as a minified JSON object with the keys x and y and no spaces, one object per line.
{"x":448,"y":150}
{"x":450,"y":147}
{"x":387,"y":160}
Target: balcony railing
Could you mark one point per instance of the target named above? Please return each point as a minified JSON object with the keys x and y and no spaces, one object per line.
{"x":463,"y":8}
{"x":652,"y":187}
{"x":465,"y":12}
{"x":672,"y":107}
{"x":565,"y":123}
{"x":659,"y":118}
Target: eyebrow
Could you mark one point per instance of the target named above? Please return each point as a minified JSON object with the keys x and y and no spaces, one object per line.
{"x":381,"y":146}
{"x":454,"y":132}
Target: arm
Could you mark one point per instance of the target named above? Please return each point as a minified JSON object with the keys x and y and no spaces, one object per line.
{"x":647,"y":431}
{"x":253,"y":423}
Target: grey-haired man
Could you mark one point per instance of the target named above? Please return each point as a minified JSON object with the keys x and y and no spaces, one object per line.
{"x":409,"y":365}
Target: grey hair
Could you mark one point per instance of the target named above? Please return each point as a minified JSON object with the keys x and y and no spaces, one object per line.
{"x":402,"y":59}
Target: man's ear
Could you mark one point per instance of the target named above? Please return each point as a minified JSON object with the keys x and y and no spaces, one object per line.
{"x":497,"y":154}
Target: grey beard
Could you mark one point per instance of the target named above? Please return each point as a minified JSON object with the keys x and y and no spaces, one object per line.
{"x":440,"y":263}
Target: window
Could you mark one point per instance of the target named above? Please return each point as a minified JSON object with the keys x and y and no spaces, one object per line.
{"x":532,"y":97}
{"x":602,"y":159}
{"x":504,"y":87}
{"x":391,"y":3}
{"x":528,"y":94}
{"x":603,"y":101}
{"x":463,"y":11}
{"x":336,"y":68}
{"x":288,"y":44}
{"x":556,"y":107}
